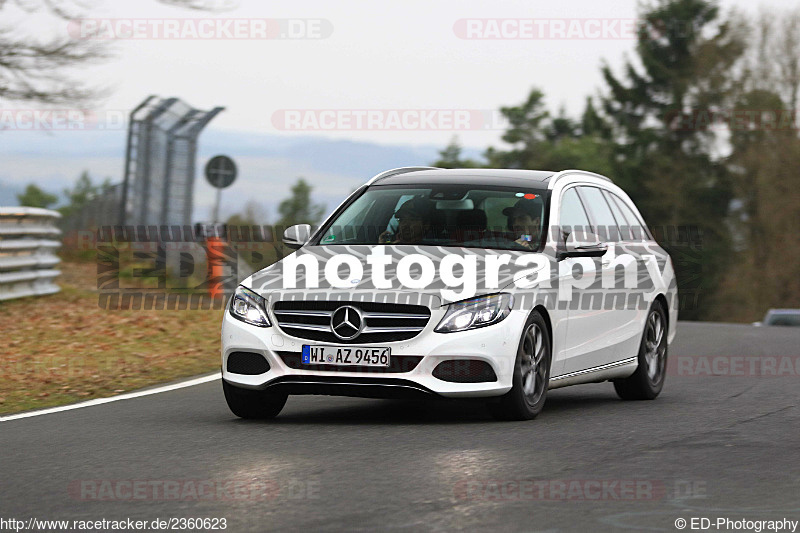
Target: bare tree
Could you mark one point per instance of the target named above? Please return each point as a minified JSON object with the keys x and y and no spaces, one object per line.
{"x":774,"y":63}
{"x":788,"y":56}
{"x":43,"y":70}
{"x":765,"y":217}
{"x":37,"y":70}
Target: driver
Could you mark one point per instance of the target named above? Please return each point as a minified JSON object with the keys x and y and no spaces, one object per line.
{"x":524,"y":220}
{"x":414,"y":218}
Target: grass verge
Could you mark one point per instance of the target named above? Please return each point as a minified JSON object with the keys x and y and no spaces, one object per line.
{"x":64,"y":348}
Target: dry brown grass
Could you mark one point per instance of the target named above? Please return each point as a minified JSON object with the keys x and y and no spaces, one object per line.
{"x":64,"y":348}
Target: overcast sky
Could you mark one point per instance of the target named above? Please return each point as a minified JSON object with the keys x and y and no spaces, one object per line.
{"x":374,"y":56}
{"x":379,"y":56}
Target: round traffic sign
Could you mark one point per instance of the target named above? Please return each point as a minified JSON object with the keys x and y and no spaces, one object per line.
{"x":220,"y":171}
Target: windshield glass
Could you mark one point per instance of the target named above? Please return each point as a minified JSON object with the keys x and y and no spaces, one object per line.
{"x":446,"y":215}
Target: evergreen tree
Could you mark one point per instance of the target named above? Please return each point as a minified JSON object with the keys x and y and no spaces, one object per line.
{"x":662,"y":152}
{"x":298,"y":208}
{"x":450,"y":157}
{"x":80,"y":194}
{"x":36,"y":197}
{"x":540,"y":141}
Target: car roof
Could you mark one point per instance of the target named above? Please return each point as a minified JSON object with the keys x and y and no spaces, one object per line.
{"x":469,"y":176}
{"x":785,"y":311}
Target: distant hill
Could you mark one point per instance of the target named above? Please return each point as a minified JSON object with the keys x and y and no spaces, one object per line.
{"x":268,"y":164}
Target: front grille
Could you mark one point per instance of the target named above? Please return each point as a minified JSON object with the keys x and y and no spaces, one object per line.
{"x":397,"y":364}
{"x":383,"y":322}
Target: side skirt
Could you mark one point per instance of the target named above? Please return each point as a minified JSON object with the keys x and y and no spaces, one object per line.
{"x":619,"y":369}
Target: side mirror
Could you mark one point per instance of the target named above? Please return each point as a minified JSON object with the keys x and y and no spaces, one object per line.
{"x":583,"y":244}
{"x":296,"y":236}
{"x":588,"y":250}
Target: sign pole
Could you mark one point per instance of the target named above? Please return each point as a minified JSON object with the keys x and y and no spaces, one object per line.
{"x":215,"y":218}
{"x":220,"y":173}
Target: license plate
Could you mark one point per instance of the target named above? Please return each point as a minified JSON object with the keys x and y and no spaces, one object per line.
{"x":345,"y":355}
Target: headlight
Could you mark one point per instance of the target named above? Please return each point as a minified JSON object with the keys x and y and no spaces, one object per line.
{"x":249,"y":307}
{"x":476,"y":313}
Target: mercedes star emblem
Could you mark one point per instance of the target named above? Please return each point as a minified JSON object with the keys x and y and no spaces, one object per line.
{"x":346,"y":322}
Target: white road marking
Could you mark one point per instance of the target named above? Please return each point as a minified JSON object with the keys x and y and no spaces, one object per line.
{"x":128,"y":396}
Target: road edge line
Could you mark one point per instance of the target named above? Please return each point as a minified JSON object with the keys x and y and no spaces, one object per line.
{"x":127,"y":396}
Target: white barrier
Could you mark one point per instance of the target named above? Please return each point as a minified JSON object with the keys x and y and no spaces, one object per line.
{"x":27,"y":252}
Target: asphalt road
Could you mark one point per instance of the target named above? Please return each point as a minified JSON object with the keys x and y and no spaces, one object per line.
{"x":709,"y":446}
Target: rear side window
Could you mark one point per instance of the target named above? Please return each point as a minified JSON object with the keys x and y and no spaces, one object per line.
{"x":623,"y":223}
{"x":600,"y":215}
{"x":638,"y":230}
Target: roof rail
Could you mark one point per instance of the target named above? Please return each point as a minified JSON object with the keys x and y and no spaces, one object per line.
{"x":398,"y":171}
{"x":553,"y":179}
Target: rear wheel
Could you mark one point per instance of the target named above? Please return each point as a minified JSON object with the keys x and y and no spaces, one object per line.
{"x":526,"y":398}
{"x":253,"y":404}
{"x":648,"y":380}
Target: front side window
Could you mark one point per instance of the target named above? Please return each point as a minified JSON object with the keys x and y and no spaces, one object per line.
{"x":442,"y":215}
{"x":572,"y":217}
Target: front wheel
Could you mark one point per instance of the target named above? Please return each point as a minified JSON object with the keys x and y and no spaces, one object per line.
{"x":531,"y":378}
{"x":648,"y":380}
{"x":253,"y":404}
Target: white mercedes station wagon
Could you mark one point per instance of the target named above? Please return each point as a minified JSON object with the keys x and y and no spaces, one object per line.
{"x":457,"y":283}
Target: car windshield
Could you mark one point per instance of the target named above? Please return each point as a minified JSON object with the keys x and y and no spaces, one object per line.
{"x":442,"y":215}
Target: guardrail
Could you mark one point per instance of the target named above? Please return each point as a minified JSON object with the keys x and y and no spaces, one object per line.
{"x":27,"y":252}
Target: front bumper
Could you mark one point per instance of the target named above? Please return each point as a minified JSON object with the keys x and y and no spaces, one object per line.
{"x":496,"y":345}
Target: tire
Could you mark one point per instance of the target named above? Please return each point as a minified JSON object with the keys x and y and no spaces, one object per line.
{"x":526,"y":398}
{"x":253,"y":404}
{"x":648,"y":380}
